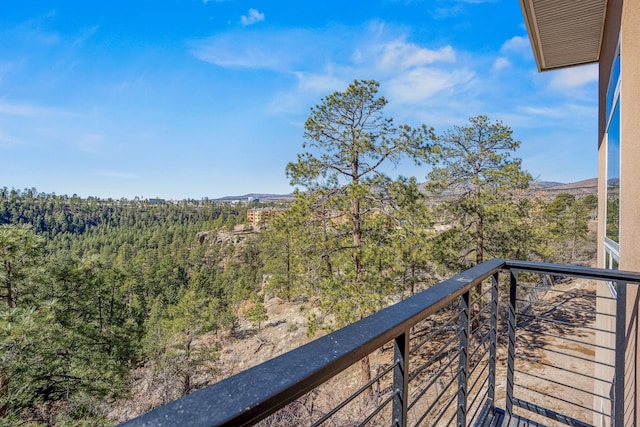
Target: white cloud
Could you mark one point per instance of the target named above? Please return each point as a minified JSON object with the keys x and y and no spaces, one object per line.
{"x":253,"y":17}
{"x":319,"y":83}
{"x":399,"y":54}
{"x":278,"y":51}
{"x":500,"y":63}
{"x":358,"y":53}
{"x":28,"y":110}
{"x":409,"y":73}
{"x":517,"y":45}
{"x":310,"y":87}
{"x":558,"y":112}
{"x":85,"y":34}
{"x":221,"y":52}
{"x":421,"y":84}
{"x":6,"y":140}
{"x":574,"y":77}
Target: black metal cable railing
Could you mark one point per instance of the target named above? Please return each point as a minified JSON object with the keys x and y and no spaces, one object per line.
{"x":451,"y":355}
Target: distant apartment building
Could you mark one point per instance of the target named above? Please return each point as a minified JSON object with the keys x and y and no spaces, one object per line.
{"x":259,"y":216}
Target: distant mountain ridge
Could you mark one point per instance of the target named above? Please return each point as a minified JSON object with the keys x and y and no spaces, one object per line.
{"x":587,"y":186}
{"x":260,"y":196}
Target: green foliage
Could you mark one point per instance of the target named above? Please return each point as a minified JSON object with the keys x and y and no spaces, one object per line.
{"x":479,"y":180}
{"x":567,"y":219}
{"x":93,"y":281}
{"x":52,"y":353}
{"x":19,"y":250}
{"x":171,"y":342}
{"x":342,"y":219}
{"x":257,"y":314}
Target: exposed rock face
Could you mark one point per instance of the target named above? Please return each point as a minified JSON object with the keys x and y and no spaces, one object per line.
{"x":201,"y":236}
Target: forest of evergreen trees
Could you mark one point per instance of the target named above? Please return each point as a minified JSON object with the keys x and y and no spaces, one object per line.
{"x":94,"y":289}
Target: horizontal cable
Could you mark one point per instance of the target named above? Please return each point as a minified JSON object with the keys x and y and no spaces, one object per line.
{"x":562,"y":322}
{"x":560,"y":399}
{"x":377,"y":410}
{"x":435,"y":357}
{"x":537,"y":347}
{"x":522,"y":328}
{"x":562,"y":307}
{"x":455,"y":413}
{"x":439,"y":330}
{"x":541,"y":378}
{"x":435,"y":378}
{"x":444,"y":409}
{"x":484,"y":397}
{"x":484,"y":294}
{"x":354,"y":395}
{"x":430,"y":384}
{"x":479,"y":360}
{"x":481,"y":329}
{"x":446,"y":387}
{"x":478,"y":314}
{"x":562,"y":291}
{"x":480,"y":375}
{"x":565,"y":370}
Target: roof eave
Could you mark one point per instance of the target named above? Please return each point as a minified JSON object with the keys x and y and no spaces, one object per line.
{"x":571,"y":36}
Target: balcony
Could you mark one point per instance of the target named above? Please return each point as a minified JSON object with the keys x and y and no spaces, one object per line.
{"x":505,"y":343}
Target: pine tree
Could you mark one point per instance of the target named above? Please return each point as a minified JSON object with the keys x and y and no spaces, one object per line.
{"x":349,"y":141}
{"x":477,"y":178}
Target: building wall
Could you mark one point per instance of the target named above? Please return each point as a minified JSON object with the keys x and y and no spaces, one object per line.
{"x":630,"y":167}
{"x":630,"y":137}
{"x":623,"y":22}
{"x":260,"y":216}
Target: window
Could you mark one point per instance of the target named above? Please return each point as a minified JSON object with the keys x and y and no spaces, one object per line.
{"x":612,"y":140}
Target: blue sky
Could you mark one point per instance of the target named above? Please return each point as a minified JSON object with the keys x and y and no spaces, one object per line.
{"x":192,"y":98}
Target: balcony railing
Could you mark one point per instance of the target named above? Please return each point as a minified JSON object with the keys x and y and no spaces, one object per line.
{"x":503,"y":342}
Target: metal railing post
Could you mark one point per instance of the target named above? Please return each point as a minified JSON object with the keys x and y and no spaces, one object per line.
{"x":512,"y":342}
{"x":463,"y":364}
{"x":401,"y":379}
{"x":621,"y":313}
{"x":493,"y":338}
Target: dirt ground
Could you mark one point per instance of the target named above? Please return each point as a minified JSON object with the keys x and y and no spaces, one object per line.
{"x":544,"y":348}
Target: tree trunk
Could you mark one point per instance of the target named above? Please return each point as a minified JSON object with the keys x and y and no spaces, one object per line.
{"x":325,"y":256}
{"x":4,"y":391}
{"x":7,"y":283}
{"x":365,"y":377}
{"x":357,"y":239}
{"x":479,"y":248}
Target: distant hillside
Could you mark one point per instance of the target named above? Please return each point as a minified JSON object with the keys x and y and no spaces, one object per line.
{"x":588,"y":186}
{"x":545,"y":184}
{"x":259,"y":196}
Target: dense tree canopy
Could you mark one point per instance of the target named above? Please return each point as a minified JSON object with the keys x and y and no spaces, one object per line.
{"x":94,"y":292}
